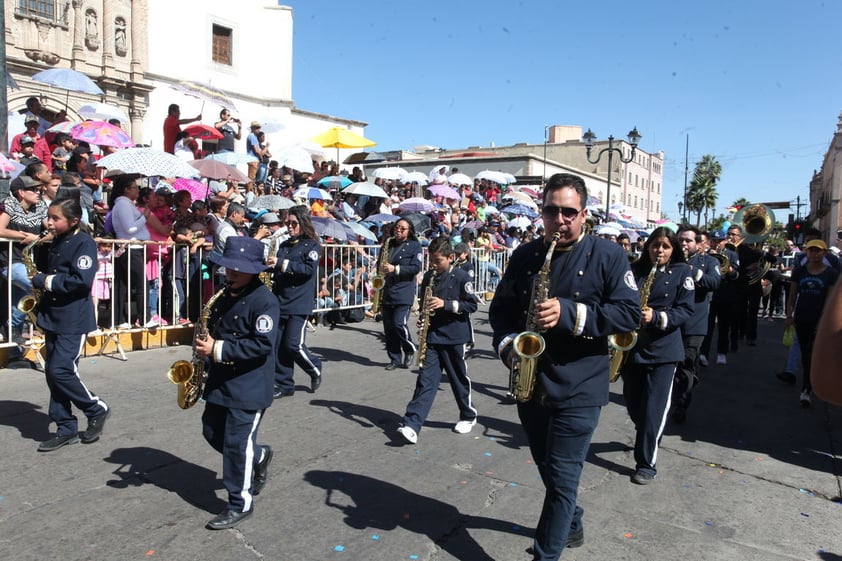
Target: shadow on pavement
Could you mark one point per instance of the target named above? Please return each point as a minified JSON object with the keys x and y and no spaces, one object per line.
{"x":25,"y":417}
{"x":142,"y":465}
{"x":363,"y":415}
{"x":381,"y":505}
{"x":341,"y":355}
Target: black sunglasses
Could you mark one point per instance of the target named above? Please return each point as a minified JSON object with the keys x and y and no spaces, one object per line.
{"x":565,"y":211}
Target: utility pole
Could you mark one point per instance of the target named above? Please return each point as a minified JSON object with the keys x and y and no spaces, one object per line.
{"x":4,"y":100}
{"x":686,"y":168}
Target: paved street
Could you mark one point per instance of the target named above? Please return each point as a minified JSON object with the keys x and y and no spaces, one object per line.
{"x":751,"y":476}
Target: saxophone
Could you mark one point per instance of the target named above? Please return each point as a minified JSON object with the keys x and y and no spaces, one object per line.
{"x":28,"y":303}
{"x":378,"y":281}
{"x":266,"y":276}
{"x":530,"y":344}
{"x":426,"y":316}
{"x":190,"y":376}
{"x":619,"y":343}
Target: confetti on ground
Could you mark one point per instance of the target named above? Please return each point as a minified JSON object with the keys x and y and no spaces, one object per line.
{"x":708,"y":523}
{"x":721,"y":471}
{"x":492,"y":438}
{"x":627,"y":535}
{"x":686,"y":485}
{"x":759,"y":459}
{"x":339,"y":548}
{"x":712,"y":465}
{"x":488,"y":454}
{"x":489,"y":473}
{"x":417,"y":452}
{"x":807,"y":492}
{"x":413,"y":557}
{"x":463,"y":483}
{"x":375,"y":537}
{"x":805,"y":515}
{"x":150,"y":553}
{"x":512,"y":484}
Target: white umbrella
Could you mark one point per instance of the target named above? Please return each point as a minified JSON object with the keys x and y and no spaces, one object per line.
{"x":509,"y":178}
{"x":491,"y":210}
{"x":520,"y":222}
{"x":417,"y":204}
{"x":521,"y":197}
{"x":231,"y":158}
{"x":295,"y":157}
{"x":148,"y":161}
{"x":103,"y":112}
{"x":495,"y":176}
{"x":271,"y":125}
{"x":459,"y":179}
{"x":415,"y":177}
{"x":606,"y":230}
{"x":272,"y":202}
{"x":313,"y":148}
{"x":366,"y":188}
{"x":311,"y":193}
{"x":394,"y":174}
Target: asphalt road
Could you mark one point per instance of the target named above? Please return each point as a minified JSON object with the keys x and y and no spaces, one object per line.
{"x":751,"y":476}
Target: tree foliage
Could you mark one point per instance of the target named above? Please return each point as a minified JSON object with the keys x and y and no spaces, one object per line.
{"x":701,"y":193}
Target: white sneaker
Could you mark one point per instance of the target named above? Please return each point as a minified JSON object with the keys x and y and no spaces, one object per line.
{"x":703,"y":360}
{"x":95,"y":333}
{"x":408,"y":434}
{"x":153,"y":322}
{"x":124,"y":325}
{"x":720,"y":359}
{"x":464,"y":427}
{"x":805,"y":398}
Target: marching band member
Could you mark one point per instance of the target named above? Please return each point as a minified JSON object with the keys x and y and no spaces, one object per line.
{"x":402,"y":265}
{"x":666,"y":299}
{"x":239,"y":353}
{"x":448,"y":311}
{"x":294,"y":279}
{"x":66,"y":314}
{"x":705,"y":272}
{"x":592,"y":294}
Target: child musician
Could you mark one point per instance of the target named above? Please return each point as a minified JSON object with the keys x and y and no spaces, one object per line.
{"x":66,"y":315}
{"x":239,"y":353}
{"x":448,"y":309}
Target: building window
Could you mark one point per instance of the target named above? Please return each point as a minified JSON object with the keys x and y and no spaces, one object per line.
{"x":45,"y":9}
{"x":222,"y":45}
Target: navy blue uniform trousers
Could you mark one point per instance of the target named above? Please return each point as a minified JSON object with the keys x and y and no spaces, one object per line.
{"x":451,"y":358}
{"x":559,"y":441}
{"x":396,"y":330}
{"x":647,"y":389}
{"x":233,"y":433}
{"x":66,"y":387}
{"x":292,"y":350}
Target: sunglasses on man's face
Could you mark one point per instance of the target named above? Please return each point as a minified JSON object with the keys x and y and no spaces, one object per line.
{"x":565,"y":211}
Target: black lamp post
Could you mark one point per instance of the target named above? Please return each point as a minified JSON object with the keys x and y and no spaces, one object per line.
{"x":589,"y":137}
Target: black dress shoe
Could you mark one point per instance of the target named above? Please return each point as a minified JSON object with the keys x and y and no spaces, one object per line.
{"x":391,"y":366}
{"x":574,"y":539}
{"x":315,"y":383}
{"x":409,"y":360}
{"x":283,"y":393}
{"x":261,"y":471}
{"x":227,"y":519}
{"x":57,"y":442}
{"x":95,"y":426}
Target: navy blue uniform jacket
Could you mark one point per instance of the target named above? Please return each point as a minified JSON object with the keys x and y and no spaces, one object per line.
{"x":295,"y":282}
{"x":451,"y":325}
{"x":671,"y":299}
{"x":66,"y":304}
{"x":706,"y":274}
{"x":243,"y":375}
{"x":400,"y":285}
{"x":598,"y":297}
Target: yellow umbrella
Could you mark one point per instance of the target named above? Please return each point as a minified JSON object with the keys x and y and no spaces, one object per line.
{"x":338,"y":137}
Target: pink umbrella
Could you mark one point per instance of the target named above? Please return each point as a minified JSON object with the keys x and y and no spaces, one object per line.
{"x":444,"y":191}
{"x":62,"y":127}
{"x":198,"y":190}
{"x":6,"y":164}
{"x":102,"y":133}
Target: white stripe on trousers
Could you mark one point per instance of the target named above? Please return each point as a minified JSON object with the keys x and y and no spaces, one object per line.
{"x":300,"y":349}
{"x":663,"y":420}
{"x":248,"y":498}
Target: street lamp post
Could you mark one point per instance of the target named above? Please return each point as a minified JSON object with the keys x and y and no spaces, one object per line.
{"x":589,"y":137}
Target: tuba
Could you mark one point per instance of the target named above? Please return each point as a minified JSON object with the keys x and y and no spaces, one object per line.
{"x":190,"y":376}
{"x":426,"y":316}
{"x":378,"y":281}
{"x":757,"y":221}
{"x":29,"y":303}
{"x":530,"y":344}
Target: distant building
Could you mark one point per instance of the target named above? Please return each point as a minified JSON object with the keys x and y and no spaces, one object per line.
{"x":825,"y":192}
{"x":135,"y":50}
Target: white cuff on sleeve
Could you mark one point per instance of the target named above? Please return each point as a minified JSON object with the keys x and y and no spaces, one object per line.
{"x":216,"y":354}
{"x":664,"y":320}
{"x":48,"y":282}
{"x":699,"y":274}
{"x":507,"y":340}
{"x":581,"y":317}
{"x":397,"y":269}
{"x":284,"y":265}
{"x":455,"y":307}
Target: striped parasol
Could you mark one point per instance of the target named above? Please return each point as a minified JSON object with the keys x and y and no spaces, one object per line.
{"x":204,"y":92}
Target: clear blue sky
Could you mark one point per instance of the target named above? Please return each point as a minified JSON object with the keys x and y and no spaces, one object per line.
{"x":756,"y":84}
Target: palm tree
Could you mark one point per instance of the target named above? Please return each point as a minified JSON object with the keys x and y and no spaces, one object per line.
{"x":701,"y":193}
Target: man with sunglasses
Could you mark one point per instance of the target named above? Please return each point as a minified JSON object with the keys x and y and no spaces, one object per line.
{"x":591,"y":294}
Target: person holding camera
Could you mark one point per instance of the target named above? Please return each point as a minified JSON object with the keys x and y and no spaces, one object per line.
{"x":226,"y":129}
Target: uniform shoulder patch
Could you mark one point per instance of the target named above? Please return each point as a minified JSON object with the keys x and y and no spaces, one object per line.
{"x":629,"y":280}
{"x":84,"y":262}
{"x":421,"y":257}
{"x":264,"y":323}
{"x":313,"y":256}
{"x":469,"y":287}
{"x":689,"y":284}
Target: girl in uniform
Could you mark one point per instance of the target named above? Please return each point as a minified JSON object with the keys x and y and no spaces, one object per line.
{"x":66,"y":315}
{"x":664,"y":280}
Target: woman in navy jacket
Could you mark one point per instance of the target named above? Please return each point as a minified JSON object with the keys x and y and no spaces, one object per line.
{"x":294,"y":279}
{"x":402,"y":266}
{"x":650,"y":368}
{"x":66,"y":315}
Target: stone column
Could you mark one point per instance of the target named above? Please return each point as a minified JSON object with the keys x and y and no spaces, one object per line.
{"x":78,"y":51}
{"x":136,"y":114}
{"x":138,"y":30}
{"x":107,"y":37}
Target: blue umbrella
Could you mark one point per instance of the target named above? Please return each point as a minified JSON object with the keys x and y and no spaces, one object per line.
{"x":68,"y":79}
{"x":334,"y":182}
{"x":311,"y":193}
{"x":330,"y":227}
{"x":381,"y":218}
{"x":520,"y":210}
